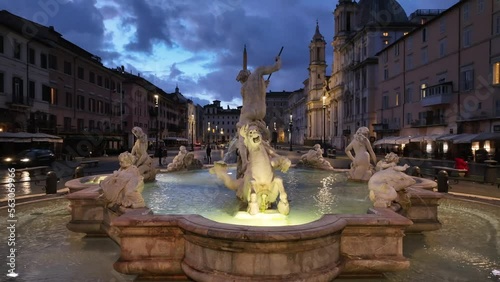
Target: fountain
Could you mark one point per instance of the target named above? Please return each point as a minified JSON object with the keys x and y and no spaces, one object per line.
{"x":187,"y":245}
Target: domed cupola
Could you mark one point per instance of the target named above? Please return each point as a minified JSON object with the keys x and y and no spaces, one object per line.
{"x":380,"y":12}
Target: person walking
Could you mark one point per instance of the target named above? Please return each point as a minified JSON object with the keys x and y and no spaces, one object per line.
{"x":160,"y":155}
{"x":165,"y":155}
{"x":209,"y":154}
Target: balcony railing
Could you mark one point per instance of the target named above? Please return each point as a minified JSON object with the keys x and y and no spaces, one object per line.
{"x":437,"y":94}
{"x":386,"y":127}
{"x":428,"y":122}
{"x":74,"y":130}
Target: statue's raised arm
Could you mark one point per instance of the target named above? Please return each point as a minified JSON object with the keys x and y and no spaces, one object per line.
{"x":263,"y":70}
{"x":253,"y":92}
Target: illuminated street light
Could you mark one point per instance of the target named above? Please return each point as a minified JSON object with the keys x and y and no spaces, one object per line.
{"x":192,"y":132}
{"x":157,"y":112}
{"x":324,"y":122}
{"x":290,"y":132}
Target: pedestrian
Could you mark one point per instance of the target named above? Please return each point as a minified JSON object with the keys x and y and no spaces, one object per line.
{"x":209,"y":154}
{"x":165,"y":155}
{"x":160,"y":155}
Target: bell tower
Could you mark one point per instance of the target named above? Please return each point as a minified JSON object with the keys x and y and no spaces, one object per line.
{"x":317,"y":64}
{"x":344,"y":18}
{"x":317,"y":77}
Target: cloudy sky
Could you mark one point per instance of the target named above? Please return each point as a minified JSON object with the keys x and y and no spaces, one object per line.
{"x":196,"y":44}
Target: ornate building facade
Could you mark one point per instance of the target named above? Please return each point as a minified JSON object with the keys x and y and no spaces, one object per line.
{"x":442,"y":82}
{"x":50,"y":85}
{"x":362,"y":29}
{"x":219,"y":124}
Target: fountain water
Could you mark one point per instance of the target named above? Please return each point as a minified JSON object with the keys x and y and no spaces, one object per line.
{"x":311,"y":193}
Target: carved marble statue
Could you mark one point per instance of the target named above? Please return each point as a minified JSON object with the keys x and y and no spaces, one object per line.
{"x":389,"y":183}
{"x":361,"y":167}
{"x":123,"y":188}
{"x":253,"y":93}
{"x":184,"y":161}
{"x":142,"y":159}
{"x":314,"y":159}
{"x":390,"y":160}
{"x":259,"y":183}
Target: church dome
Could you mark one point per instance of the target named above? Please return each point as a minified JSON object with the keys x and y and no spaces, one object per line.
{"x":380,"y":12}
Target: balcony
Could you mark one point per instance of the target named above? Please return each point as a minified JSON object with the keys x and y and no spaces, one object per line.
{"x":428,"y":122}
{"x":437,"y":94}
{"x":386,"y":127}
{"x":20,"y":103}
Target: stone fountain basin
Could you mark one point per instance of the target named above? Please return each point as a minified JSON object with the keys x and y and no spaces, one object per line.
{"x":193,"y":247}
{"x":81,"y":183}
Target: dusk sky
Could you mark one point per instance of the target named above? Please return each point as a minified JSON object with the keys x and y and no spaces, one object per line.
{"x":197,"y":44}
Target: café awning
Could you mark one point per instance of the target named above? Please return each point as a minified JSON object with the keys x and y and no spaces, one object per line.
{"x":386,"y":140}
{"x":487,"y":136}
{"x":25,"y":137}
{"x":403,"y":140}
{"x":464,"y":138}
{"x":418,"y":138}
{"x":427,"y":138}
{"x":449,"y":137}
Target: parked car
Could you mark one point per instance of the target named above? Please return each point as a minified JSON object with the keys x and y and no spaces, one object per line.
{"x":30,"y":158}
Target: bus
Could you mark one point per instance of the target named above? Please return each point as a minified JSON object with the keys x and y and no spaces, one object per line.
{"x":175,"y":142}
{"x":152,"y":146}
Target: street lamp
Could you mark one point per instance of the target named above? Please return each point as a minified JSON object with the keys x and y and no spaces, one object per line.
{"x":192,"y":132}
{"x":157,"y":108}
{"x":290,"y":132}
{"x":324,"y":119}
{"x":208,"y":134}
